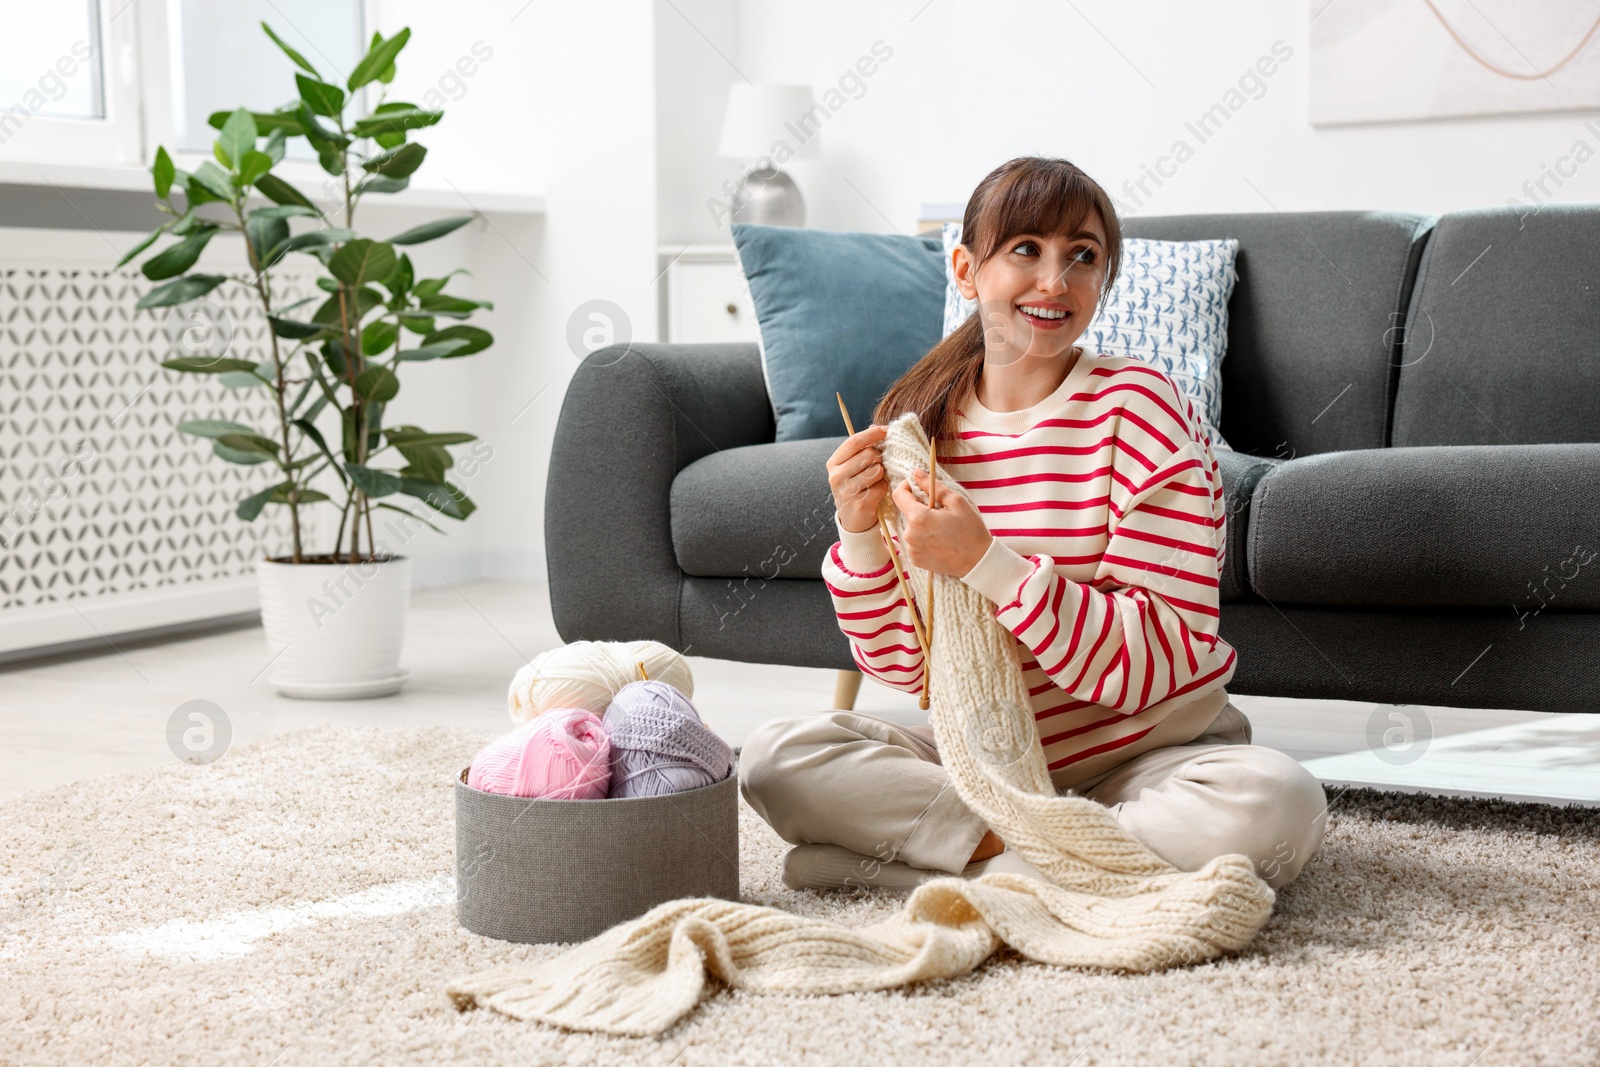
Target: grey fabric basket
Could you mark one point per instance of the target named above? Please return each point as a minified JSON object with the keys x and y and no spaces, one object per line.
{"x":564,"y":870}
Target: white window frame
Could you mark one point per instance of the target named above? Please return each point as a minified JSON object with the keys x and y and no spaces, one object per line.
{"x":113,"y":139}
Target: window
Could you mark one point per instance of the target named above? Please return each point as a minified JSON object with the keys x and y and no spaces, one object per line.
{"x":67,"y":82}
{"x":106,"y":81}
{"x":218,"y":58}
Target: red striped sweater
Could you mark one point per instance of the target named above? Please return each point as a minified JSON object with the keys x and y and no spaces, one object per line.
{"x":1108,"y":517}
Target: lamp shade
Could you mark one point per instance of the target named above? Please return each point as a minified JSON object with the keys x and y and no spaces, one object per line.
{"x":757,"y":116}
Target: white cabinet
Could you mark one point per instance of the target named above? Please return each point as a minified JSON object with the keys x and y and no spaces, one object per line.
{"x":706,"y":295}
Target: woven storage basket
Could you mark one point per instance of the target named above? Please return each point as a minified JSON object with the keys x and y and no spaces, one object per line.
{"x":564,"y":870}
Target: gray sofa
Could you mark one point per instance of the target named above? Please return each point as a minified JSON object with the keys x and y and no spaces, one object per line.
{"x":1413,"y":498}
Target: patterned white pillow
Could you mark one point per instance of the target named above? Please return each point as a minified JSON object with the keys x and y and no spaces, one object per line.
{"x":1168,"y":308}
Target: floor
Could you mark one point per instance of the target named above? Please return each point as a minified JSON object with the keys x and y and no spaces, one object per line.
{"x":86,"y":714}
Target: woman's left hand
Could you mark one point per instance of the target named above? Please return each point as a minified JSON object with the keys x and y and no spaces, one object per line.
{"x":947,"y":539}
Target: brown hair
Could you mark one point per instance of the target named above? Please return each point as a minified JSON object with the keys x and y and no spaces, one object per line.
{"x":1029,"y":194}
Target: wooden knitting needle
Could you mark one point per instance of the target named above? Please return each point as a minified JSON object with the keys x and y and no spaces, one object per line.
{"x":927,"y":658}
{"x":905,"y":586}
{"x":643,"y":677}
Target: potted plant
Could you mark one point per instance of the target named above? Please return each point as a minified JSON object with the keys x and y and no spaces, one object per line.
{"x":334,"y":620}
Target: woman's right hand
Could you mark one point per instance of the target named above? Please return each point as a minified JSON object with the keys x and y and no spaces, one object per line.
{"x":857,"y":478}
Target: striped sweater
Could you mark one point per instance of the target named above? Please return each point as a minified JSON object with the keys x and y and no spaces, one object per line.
{"x":1108,"y":517}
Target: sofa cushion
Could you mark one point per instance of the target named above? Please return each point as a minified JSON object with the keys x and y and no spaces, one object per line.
{"x":1313,"y":323}
{"x":838,"y":311}
{"x":1509,"y":526}
{"x":1503,"y":329}
{"x":762,"y":512}
{"x":1168,"y":308}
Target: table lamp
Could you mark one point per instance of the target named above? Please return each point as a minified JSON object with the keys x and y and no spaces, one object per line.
{"x":757,"y":119}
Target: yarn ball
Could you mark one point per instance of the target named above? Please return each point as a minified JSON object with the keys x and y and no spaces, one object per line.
{"x":659,"y":745}
{"x":564,"y":754}
{"x":588,"y":674}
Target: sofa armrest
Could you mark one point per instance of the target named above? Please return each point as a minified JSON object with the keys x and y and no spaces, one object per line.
{"x":633,"y":417}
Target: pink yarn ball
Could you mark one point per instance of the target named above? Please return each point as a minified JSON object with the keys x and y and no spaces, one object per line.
{"x":564,"y":754}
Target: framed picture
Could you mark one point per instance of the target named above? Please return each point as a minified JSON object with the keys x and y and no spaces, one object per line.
{"x":1385,"y":60}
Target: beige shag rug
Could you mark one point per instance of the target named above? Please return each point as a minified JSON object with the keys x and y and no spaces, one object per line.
{"x":292,"y":903}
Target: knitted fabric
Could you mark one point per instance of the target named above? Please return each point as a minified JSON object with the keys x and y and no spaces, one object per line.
{"x":1110,"y":902}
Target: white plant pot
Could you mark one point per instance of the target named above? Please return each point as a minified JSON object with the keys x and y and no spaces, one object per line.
{"x":334,"y":630}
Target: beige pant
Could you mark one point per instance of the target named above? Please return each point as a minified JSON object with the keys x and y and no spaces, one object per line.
{"x":877,"y":788}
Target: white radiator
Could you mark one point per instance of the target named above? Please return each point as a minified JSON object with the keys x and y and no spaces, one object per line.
{"x":111,"y":521}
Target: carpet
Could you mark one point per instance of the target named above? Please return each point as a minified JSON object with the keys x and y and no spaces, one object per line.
{"x":293,"y":903}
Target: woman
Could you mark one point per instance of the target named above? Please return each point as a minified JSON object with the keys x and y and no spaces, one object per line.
{"x":1096,"y":526}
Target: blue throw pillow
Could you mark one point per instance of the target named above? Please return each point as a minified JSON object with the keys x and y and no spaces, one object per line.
{"x":845,"y":312}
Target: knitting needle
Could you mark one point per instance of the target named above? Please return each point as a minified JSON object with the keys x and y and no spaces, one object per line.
{"x":905,"y":586}
{"x":643,"y":677}
{"x":927,"y":659}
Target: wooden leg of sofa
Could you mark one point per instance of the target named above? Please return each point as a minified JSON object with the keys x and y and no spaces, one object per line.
{"x":846,"y":685}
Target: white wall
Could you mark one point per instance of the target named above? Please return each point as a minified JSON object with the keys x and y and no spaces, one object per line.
{"x":564,"y":107}
{"x":1110,"y":86}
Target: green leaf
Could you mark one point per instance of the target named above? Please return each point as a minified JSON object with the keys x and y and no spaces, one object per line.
{"x":213,"y":180}
{"x":188,"y":223}
{"x":307,"y":427}
{"x":445,"y":499}
{"x":378,"y":337}
{"x":411,"y":435}
{"x":377,"y":384}
{"x":378,"y":183}
{"x":248,"y":442}
{"x":252,"y":167}
{"x":320,"y":97}
{"x":422,"y":325}
{"x":293,"y":329}
{"x":426,"y":463}
{"x":377,"y":60}
{"x":163,"y":171}
{"x":304,"y":495}
{"x":181,"y":291}
{"x":389,"y":140}
{"x":321,"y":138}
{"x":442,"y":350}
{"x":478,"y":339}
{"x":284,"y":211}
{"x":299,"y":60}
{"x":266,"y":121}
{"x":333,"y":355}
{"x":456,"y":307}
{"x":365,"y":300}
{"x":274,"y":144}
{"x":431,"y":286}
{"x":395,"y":122}
{"x":251,"y":505}
{"x":208,"y":364}
{"x":234,"y":455}
{"x":142,"y":245}
{"x":398,"y":282}
{"x":362,"y":261}
{"x":242,"y":380}
{"x":373,"y":483}
{"x":430,"y":230}
{"x":179,"y":257}
{"x":266,"y":233}
{"x":195,"y":190}
{"x":417,"y":518}
{"x":238,"y":137}
{"x":279,"y":191}
{"x":212,"y":427}
{"x":398,"y":162}
{"x":331,"y":162}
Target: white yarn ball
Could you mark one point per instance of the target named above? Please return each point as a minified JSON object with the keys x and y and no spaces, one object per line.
{"x":588,"y":675}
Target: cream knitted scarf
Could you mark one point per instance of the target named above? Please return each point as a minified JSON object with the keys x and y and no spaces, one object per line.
{"x":1111,"y":903}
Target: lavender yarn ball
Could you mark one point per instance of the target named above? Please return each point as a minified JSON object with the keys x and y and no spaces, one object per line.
{"x":659,"y":745}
